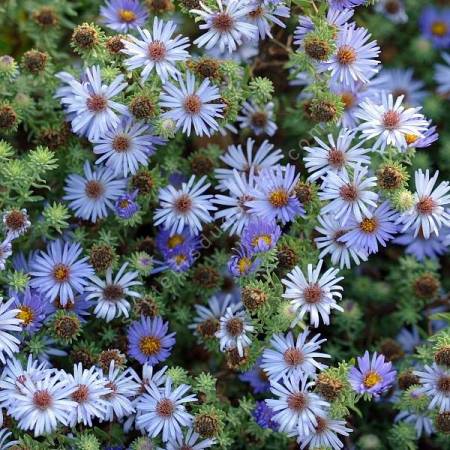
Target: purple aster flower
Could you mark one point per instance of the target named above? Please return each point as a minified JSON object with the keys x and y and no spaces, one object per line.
{"x":258,"y":118}
{"x":149,"y":341}
{"x":89,"y":104}
{"x":274,"y":195}
{"x":126,"y":206}
{"x":167,"y":242}
{"x":79,"y":306}
{"x":257,"y":378}
{"x":264,"y":14}
{"x":59,"y":272}
{"x":422,"y":248}
{"x":242,"y":262}
{"x":226,"y":26}
{"x":157,"y":51}
{"x":5,"y":252}
{"x":92,"y":195}
{"x":355,"y":58}
{"x":33,"y":309}
{"x":123,"y":15}
{"x":373,"y":376}
{"x":190,"y":106}
{"x":261,"y":236}
{"x":429,"y":137}
{"x":342,"y":4}
{"x":435,"y":380}
{"x":368,"y":232}
{"x":263,"y":416}
{"x":179,"y":259}
{"x":434,"y":24}
{"x":126,"y":147}
{"x":394,"y":10}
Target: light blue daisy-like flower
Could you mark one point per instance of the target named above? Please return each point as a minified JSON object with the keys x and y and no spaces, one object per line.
{"x":435,"y":381}
{"x":92,"y":196}
{"x":261,"y":236}
{"x":264,"y":14}
{"x":157,"y":51}
{"x":89,"y":104}
{"x":227,"y":26}
{"x":434,"y":25}
{"x":33,"y":309}
{"x":190,"y":106}
{"x":258,"y":118}
{"x":59,"y":272}
{"x":123,"y":15}
{"x":128,"y":146}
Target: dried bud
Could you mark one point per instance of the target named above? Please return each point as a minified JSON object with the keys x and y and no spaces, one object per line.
{"x":142,"y":107}
{"x":114,"y":44}
{"x":426,"y":286}
{"x":85,"y":37}
{"x":8,"y":118}
{"x":35,"y":61}
{"x":316,"y":48}
{"x":102,"y":257}
{"x":328,"y":387}
{"x":207,"y":425}
{"x":112,"y":354}
{"x":407,"y":379}
{"x":253,"y":298}
{"x":45,"y":17}
{"x":442,"y":356}
{"x":206,"y":277}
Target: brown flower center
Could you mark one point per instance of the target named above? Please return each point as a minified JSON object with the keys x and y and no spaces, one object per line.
{"x":94,"y":189}
{"x":165,"y":408}
{"x":42,"y":399}
{"x":443,"y":384}
{"x":121,"y":143}
{"x":193,"y":104}
{"x":183,"y":204}
{"x":81,"y":395}
{"x":348,"y":192}
{"x":61,"y":273}
{"x":391,"y":119}
{"x":235,"y":326}
{"x":312,"y":294}
{"x":392,"y":6}
{"x":293,"y":357}
{"x":259,"y":119}
{"x":96,"y":103}
{"x":348,"y":99}
{"x":426,"y":206}
{"x":113,"y":292}
{"x":279,"y":198}
{"x":297,"y":402}
{"x":223,"y":22}
{"x":15,"y":219}
{"x":346,"y":55}
{"x":157,"y":51}
{"x":368,"y":225}
{"x":336,"y":158}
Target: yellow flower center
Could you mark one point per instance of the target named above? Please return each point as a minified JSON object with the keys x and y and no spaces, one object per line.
{"x":279,"y":198}
{"x":244,"y":264}
{"x":26,"y":315}
{"x":368,"y":225}
{"x":411,"y":138}
{"x":371,"y":379}
{"x":124,"y":203}
{"x":180,"y":259}
{"x":175,"y":240}
{"x":439,"y":28}
{"x":127,"y":15}
{"x":264,"y":237}
{"x":149,"y":345}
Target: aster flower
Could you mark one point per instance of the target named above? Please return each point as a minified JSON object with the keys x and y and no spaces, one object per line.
{"x":43,"y":404}
{"x":260,"y":236}
{"x":428,"y":214}
{"x":422,"y":423}
{"x":325,"y":434}
{"x":178,"y":260}
{"x":434,"y":25}
{"x":289,"y":356}
{"x":368,"y":232}
{"x":349,"y":194}
{"x":190,"y":106}
{"x":400,"y":82}
{"x":442,"y":75}
{"x":126,"y":147}
{"x":245,"y":161}
{"x":91,"y":195}
{"x":163,"y":411}
{"x":394,"y":10}
{"x":187,"y":206}
{"x":9,"y":322}
{"x":226,"y":26}
{"x":79,"y":306}
{"x":355,"y":58}
{"x":88,"y":394}
{"x":123,"y":15}
{"x":257,"y":378}
{"x":335,"y":18}
{"x":111,"y":294}
{"x":342,"y":4}
{"x":336,"y":156}
{"x":258,"y":118}
{"x":296,"y":407}
{"x":330,"y":243}
{"x":32,"y":308}
{"x":206,"y":321}
{"x":123,"y":388}
{"x":190,"y":440}
{"x":264,"y":14}
{"x":149,"y":341}
{"x":243,"y":262}
{"x":315,"y":294}
{"x":90,"y":105}
{"x":5,"y":252}
{"x":59,"y":272}
{"x":420,"y":247}
{"x":372,"y":375}
{"x":236,"y":214}
{"x":274,"y":195}
{"x":126,"y":206}
{"x":16,"y":223}
{"x":157,"y":51}
{"x":263,"y":416}
{"x":435,"y":382}
{"x":390,"y":123}
{"x":234,"y":327}
{"x":429,"y":137}
{"x":168,"y":242}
